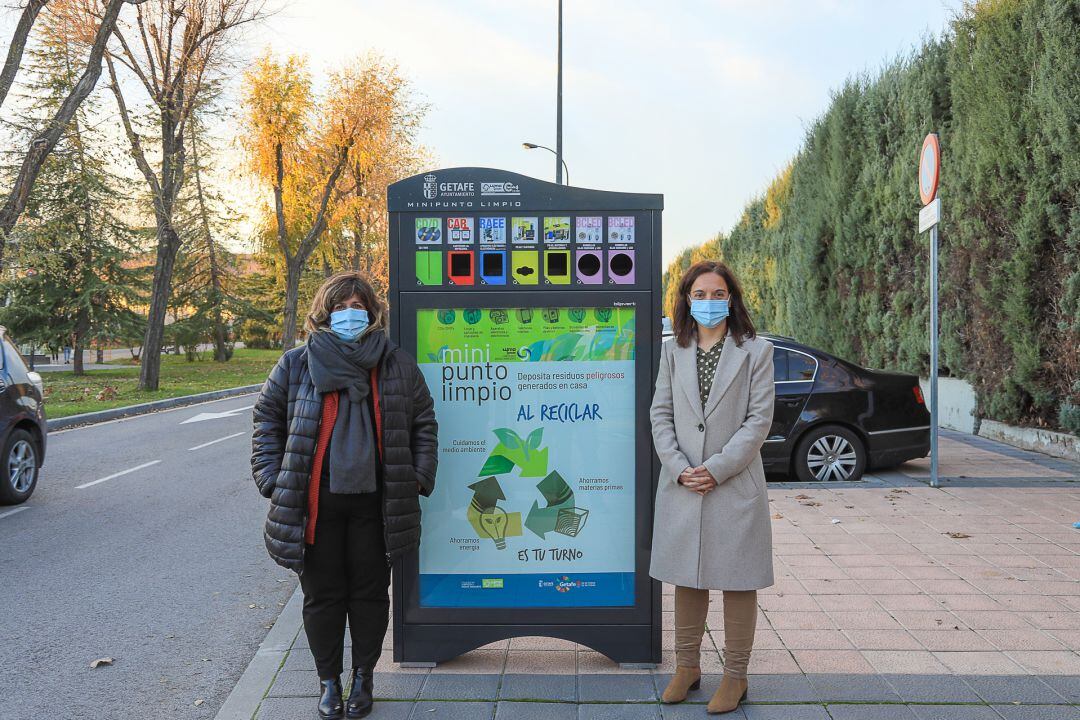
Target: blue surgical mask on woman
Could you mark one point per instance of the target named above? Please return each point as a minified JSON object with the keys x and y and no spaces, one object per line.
{"x":709,"y":313}
{"x":349,"y":323}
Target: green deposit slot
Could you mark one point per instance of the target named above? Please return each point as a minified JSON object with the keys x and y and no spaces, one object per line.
{"x":533,"y":311}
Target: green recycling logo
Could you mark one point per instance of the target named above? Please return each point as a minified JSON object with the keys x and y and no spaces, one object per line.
{"x":559,"y":512}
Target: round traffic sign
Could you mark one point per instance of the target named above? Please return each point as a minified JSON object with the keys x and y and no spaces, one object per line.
{"x":929,"y":168}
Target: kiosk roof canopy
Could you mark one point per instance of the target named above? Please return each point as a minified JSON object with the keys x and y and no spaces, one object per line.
{"x":476,"y":188}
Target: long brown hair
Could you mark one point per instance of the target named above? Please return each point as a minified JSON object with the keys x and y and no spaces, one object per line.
{"x":339,"y":288}
{"x":738,"y":320}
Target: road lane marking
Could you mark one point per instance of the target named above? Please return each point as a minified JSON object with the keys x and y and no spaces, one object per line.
{"x":155,"y":413}
{"x":116,"y":475}
{"x":12,"y":512}
{"x":221,"y":439}
{"x":216,"y":415}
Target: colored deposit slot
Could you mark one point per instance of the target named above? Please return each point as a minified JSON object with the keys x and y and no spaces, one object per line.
{"x":557,"y":267}
{"x":621,"y":266}
{"x":525,"y":266}
{"x":428,"y":268}
{"x":493,"y":267}
{"x":589,"y":266}
{"x":461,"y":267}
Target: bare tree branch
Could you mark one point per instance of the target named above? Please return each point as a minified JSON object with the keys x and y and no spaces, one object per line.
{"x":43,"y":144}
{"x":18,"y":44}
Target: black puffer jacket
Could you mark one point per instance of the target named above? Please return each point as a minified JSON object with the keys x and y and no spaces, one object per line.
{"x":287,"y":416}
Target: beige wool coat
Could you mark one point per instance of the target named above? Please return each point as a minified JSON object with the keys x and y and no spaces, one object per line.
{"x":723,"y":540}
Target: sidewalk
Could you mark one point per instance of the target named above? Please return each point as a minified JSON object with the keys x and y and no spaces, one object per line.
{"x":893,"y":601}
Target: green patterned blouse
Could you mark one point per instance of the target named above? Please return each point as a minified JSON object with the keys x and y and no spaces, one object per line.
{"x":706,"y":368}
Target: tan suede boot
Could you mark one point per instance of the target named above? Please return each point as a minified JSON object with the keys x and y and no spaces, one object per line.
{"x":682,"y":682}
{"x":731,"y":692}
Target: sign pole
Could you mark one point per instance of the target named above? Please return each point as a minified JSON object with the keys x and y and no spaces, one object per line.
{"x":929,"y":217}
{"x":934,"y":481}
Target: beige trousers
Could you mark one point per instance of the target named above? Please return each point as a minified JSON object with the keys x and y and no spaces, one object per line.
{"x":740,"y":619}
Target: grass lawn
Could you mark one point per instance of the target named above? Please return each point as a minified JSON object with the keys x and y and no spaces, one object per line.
{"x":66,"y":394}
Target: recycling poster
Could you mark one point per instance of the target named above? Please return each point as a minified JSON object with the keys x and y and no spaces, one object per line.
{"x":534,"y":498}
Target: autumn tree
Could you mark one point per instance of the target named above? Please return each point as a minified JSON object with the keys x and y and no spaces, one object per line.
{"x":172,"y":49}
{"x":323,"y":156}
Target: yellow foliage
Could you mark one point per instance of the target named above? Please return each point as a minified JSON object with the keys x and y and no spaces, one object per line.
{"x":777,"y":196}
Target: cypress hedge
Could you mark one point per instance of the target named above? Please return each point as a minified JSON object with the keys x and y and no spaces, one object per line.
{"x":830,"y":254}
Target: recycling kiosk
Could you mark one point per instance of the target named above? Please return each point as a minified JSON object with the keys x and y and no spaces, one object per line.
{"x":533,"y":310}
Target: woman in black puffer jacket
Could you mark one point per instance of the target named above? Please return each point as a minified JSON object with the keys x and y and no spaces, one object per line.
{"x":345,"y":442}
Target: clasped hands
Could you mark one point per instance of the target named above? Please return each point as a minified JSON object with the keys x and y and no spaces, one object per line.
{"x":698,"y":479}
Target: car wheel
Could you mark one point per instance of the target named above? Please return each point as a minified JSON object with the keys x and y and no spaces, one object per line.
{"x":830,"y":453}
{"x":20,"y":468}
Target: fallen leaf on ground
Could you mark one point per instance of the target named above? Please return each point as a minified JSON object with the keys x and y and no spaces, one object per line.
{"x":958,"y":535}
{"x":800,"y":496}
{"x":199,"y":702}
{"x":777,"y":516}
{"x":812,"y":503}
{"x":101,"y":661}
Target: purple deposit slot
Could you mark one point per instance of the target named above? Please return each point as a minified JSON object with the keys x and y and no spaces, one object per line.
{"x":590,"y":267}
{"x":621,"y":266}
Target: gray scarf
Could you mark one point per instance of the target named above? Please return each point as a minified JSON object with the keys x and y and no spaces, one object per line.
{"x":335,"y":364}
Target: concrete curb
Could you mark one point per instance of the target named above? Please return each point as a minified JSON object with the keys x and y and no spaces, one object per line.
{"x":244,"y":700}
{"x":143,"y":408}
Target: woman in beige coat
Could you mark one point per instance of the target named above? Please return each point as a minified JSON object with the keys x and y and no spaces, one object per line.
{"x":710,"y":415}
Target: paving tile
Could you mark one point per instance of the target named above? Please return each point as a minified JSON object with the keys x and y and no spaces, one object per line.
{"x":871,"y":712}
{"x":535,"y":711}
{"x":814,"y":640}
{"x":460,"y":687}
{"x":876,"y":619}
{"x":784,"y":712}
{"x":847,"y":687}
{"x":767,"y":662}
{"x":542,"y":643}
{"x":686,"y":711}
{"x":953,"y":640}
{"x":451,"y":710}
{"x":832,"y":661}
{"x":610,"y":711}
{"x":1013,"y":689}
{"x":979,"y":663}
{"x":800,"y":620}
{"x":778,"y":688}
{"x":883,"y":640}
{"x":548,"y":662}
{"x":475,"y":662}
{"x":538,"y":687}
{"x":1028,"y":639}
{"x":295,"y":683}
{"x":1047,"y":662}
{"x":616,"y":688}
{"x":954,"y":712}
{"x":1067,"y":686}
{"x":914,"y":662}
{"x":397,"y":686}
{"x":932,"y":688}
{"x":292,"y":708}
{"x":1037,"y":712}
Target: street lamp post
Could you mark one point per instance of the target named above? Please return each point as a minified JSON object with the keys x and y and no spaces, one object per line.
{"x":560,"y":163}
{"x":558,"y":113}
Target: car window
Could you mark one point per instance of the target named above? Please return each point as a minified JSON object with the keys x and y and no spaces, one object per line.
{"x":790,"y":366}
{"x":800,"y":367}
{"x":779,"y":364}
{"x":13,"y":363}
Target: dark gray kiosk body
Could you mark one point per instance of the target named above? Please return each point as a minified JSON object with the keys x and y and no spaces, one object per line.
{"x":533,"y":307}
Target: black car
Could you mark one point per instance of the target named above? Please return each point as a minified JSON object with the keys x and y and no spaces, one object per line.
{"x":834,"y":420}
{"x":22,"y":425}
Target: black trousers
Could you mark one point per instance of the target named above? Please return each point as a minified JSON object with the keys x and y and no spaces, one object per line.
{"x":346,"y":576}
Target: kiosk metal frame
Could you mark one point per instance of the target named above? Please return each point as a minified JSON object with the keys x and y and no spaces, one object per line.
{"x":631,"y":634}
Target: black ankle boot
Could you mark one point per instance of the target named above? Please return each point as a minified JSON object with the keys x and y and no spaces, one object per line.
{"x":330,"y":705}
{"x":360,"y":702}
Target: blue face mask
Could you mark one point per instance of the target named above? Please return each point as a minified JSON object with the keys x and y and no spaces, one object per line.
{"x":709,"y":313}
{"x":347,"y":324}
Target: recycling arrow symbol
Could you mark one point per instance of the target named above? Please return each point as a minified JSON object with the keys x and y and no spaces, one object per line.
{"x":558,"y":495}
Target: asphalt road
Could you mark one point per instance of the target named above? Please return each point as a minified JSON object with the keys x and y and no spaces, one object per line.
{"x":157,"y":568}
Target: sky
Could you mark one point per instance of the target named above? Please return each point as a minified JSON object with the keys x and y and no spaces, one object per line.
{"x":704,"y":101}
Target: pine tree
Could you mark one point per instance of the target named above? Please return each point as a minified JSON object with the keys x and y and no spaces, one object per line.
{"x":68,"y":283}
